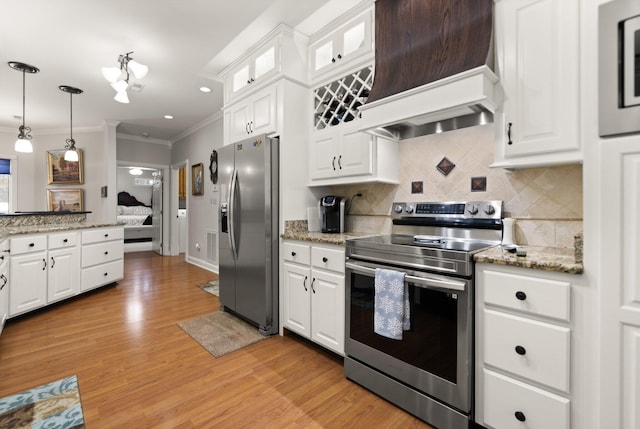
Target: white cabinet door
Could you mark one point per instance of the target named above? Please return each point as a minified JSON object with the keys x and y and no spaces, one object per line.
{"x":356,"y":152}
{"x":29,"y":282}
{"x":538,"y":65}
{"x":327,"y":310}
{"x":63,"y":276}
{"x":297,"y":311}
{"x":323,"y":153}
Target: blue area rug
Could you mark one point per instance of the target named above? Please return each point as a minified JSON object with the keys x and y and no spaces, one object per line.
{"x":52,"y":406}
{"x":211,"y":287}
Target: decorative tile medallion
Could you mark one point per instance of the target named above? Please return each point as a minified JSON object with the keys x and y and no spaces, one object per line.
{"x":478,"y":184}
{"x":416,"y":188}
{"x":445,"y":166}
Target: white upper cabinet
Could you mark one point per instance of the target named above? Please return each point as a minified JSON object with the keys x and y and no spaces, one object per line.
{"x":335,"y":48}
{"x":252,"y":115}
{"x":282,"y":52}
{"x":538,"y":65}
{"x":258,"y":66}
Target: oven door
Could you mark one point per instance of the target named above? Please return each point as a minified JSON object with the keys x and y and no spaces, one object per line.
{"x":435,"y":355}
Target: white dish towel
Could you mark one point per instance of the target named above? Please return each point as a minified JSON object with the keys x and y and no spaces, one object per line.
{"x":391,"y":306}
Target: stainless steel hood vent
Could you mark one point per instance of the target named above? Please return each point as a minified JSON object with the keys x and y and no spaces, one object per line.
{"x":432,"y":68}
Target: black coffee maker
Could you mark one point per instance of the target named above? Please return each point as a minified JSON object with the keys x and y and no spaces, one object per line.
{"x":332,"y":211}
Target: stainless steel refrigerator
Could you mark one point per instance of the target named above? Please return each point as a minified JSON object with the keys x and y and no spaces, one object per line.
{"x":248,"y":228}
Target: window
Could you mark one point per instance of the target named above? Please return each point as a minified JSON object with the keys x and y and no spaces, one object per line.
{"x":5,"y":185}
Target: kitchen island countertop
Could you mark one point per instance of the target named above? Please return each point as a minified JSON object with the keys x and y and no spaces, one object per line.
{"x":9,"y":231}
{"x":320,"y":237}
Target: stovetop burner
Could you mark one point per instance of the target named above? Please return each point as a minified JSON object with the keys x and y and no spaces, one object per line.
{"x":436,"y":236}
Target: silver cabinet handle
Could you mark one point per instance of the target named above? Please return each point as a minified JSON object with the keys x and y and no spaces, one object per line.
{"x":418,"y":281}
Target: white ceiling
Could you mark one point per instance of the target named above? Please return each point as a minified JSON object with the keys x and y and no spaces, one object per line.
{"x":185,"y":43}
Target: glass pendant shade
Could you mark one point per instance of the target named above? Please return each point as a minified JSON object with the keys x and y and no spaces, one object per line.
{"x":120,"y":85}
{"x":23,"y":145}
{"x":138,"y":70}
{"x":71,"y":155}
{"x":122,"y":97}
{"x":111,"y":74}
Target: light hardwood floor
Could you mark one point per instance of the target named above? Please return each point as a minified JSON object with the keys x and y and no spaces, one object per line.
{"x":137,"y":369}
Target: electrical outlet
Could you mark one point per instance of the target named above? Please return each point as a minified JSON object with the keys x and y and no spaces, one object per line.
{"x":198,"y":247}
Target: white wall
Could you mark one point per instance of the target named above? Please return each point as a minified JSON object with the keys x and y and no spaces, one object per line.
{"x":143,"y":151}
{"x":202,"y":210}
{"x":33,"y":177}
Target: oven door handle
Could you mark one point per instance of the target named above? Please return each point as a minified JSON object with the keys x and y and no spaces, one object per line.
{"x":418,"y":281}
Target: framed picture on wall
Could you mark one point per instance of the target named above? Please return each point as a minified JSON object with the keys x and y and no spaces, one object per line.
{"x":197,"y":179}
{"x":62,"y":172}
{"x":65,"y":200}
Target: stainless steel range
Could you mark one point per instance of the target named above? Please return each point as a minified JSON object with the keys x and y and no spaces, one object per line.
{"x":427,"y":369}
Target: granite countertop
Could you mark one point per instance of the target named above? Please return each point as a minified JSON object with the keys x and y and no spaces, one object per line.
{"x":319,"y":237}
{"x":562,"y":260}
{"x":8,"y":231}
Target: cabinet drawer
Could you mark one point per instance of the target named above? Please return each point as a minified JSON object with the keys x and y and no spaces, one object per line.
{"x":539,"y":408}
{"x":295,"y":252}
{"x":62,"y":240}
{"x":100,"y":253}
{"x":535,"y":350}
{"x":328,"y":259}
{"x":101,"y":275}
{"x":102,"y":234}
{"x":32,"y":243}
{"x":532,"y":295}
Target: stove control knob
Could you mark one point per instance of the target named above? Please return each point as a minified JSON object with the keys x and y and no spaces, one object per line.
{"x":409,"y":209}
{"x":473,"y":209}
{"x":398,"y":208}
{"x":489,"y":210}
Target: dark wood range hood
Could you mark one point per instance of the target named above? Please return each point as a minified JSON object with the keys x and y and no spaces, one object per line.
{"x":433,"y":64}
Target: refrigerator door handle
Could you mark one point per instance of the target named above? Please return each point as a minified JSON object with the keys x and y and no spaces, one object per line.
{"x":232,"y":203}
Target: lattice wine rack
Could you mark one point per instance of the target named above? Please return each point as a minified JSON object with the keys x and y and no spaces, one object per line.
{"x":338,"y":101}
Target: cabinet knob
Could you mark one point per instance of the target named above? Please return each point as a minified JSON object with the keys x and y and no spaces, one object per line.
{"x":333,"y":60}
{"x":106,"y":274}
{"x":339,"y":56}
{"x":324,"y":259}
{"x":66,"y":240}
{"x":520,"y":416}
{"x":521,"y":350}
{"x":32,"y":244}
{"x":106,"y":235}
{"x":293,"y":253}
{"x":106,"y":252}
{"x":521,"y":295}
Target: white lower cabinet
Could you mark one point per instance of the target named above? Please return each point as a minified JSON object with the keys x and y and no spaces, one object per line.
{"x":4,"y":283}
{"x":102,"y":257}
{"x":523,"y":348}
{"x":313,"y":292}
{"x":46,"y":268}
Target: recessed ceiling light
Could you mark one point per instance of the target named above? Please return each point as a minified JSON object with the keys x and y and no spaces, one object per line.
{"x":168,"y":117}
{"x":205,"y":89}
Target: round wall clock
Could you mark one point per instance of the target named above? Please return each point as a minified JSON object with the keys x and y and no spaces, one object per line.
{"x":213,"y":167}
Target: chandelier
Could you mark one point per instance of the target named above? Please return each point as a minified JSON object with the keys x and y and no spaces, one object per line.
{"x":119,"y":76}
{"x":72,"y":153}
{"x":23,"y":144}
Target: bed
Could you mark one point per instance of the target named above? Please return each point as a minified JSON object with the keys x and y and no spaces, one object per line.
{"x":136,"y":217}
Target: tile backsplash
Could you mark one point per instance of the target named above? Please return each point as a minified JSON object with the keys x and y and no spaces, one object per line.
{"x":546,"y":203}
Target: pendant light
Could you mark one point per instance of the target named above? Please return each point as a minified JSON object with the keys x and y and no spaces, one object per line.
{"x":72,"y":153}
{"x":23,"y":144}
{"x":119,"y":76}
